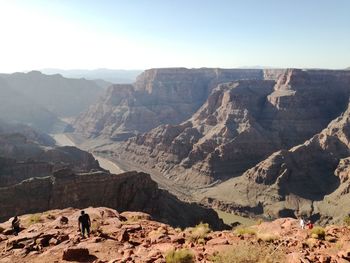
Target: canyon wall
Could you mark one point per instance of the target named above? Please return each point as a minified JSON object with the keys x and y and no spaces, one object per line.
{"x":129,"y":191}
{"x":159,"y":96}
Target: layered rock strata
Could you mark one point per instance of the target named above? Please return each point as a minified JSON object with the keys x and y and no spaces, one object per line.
{"x":309,"y":179}
{"x":240,"y":124}
{"x":159,"y":96}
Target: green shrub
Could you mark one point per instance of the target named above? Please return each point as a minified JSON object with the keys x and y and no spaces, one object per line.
{"x":240,"y":231}
{"x":347,"y":220}
{"x":179,"y":256}
{"x":318,"y":232}
{"x":250,"y":253}
{"x":199,"y":232}
{"x":34,"y":219}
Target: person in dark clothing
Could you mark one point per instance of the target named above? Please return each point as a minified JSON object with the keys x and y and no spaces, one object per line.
{"x":84,"y":223}
{"x":15,"y":225}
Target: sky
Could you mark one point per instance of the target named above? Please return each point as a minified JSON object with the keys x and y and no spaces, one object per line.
{"x":141,"y":34}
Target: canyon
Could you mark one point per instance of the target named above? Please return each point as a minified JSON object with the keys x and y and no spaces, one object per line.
{"x":241,"y":125}
{"x":35,"y":177}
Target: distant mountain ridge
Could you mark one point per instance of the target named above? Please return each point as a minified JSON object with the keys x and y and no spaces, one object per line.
{"x":63,"y":96}
{"x":116,"y":76}
{"x":40,"y":100}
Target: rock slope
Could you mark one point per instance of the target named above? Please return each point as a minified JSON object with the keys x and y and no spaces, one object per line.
{"x":128,"y":191}
{"x":135,"y":237}
{"x":240,"y":124}
{"x":168,"y":95}
{"x":310,"y":179}
{"x":26,"y":153}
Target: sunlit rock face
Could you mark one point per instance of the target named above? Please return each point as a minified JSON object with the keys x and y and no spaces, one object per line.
{"x":159,"y":96}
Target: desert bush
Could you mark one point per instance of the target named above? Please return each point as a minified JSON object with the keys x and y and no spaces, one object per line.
{"x":318,"y":232}
{"x":267,"y":237}
{"x":50,"y":217}
{"x":95,"y":226}
{"x":244,"y":230}
{"x":199,"y":232}
{"x":259,"y":221}
{"x":250,"y":253}
{"x":347,"y":220}
{"x":179,"y":256}
{"x":34,"y":219}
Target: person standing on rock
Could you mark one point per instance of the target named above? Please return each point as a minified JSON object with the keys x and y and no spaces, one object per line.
{"x":302,"y":223}
{"x":15,"y":225}
{"x":84,"y":224}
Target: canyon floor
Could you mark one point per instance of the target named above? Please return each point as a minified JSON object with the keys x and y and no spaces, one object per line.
{"x":135,"y":237}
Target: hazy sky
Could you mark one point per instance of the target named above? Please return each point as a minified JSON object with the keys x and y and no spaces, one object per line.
{"x":140,"y":34}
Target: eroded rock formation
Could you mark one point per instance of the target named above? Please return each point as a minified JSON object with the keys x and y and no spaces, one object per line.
{"x":158,"y":96}
{"x":240,"y":124}
{"x":309,"y":179}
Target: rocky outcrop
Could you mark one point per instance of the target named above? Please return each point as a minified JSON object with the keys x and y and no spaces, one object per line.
{"x":26,"y":153}
{"x":136,"y":237}
{"x":13,"y":172}
{"x":6,"y":129}
{"x":240,"y":124}
{"x":18,"y":147}
{"x":129,"y":191}
{"x":159,"y":96}
{"x":310,"y":179}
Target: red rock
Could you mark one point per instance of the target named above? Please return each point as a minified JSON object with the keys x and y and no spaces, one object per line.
{"x":218,"y":241}
{"x":75,"y":254}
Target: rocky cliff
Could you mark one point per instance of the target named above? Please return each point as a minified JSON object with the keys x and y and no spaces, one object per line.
{"x":129,"y":191}
{"x":26,"y":153}
{"x":159,"y":96}
{"x":309,"y":179}
{"x":18,"y":147}
{"x":240,"y":124}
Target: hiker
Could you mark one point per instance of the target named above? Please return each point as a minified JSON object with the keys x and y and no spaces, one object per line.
{"x":84,"y":221}
{"x":302,"y":223}
{"x":15,"y":225}
{"x":309,"y":224}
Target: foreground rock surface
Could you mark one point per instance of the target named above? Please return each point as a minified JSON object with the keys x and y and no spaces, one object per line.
{"x":135,"y":237}
{"x":127,"y":191}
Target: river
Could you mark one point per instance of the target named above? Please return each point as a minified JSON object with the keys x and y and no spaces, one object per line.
{"x":64,"y":140}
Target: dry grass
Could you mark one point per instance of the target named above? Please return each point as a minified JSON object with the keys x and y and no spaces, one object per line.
{"x":34,"y":219}
{"x":267,"y":237}
{"x":318,"y":232}
{"x":95,"y":226}
{"x":347,"y":220}
{"x":250,"y":253}
{"x":180,"y":256}
{"x":240,"y":231}
{"x":199,"y":232}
